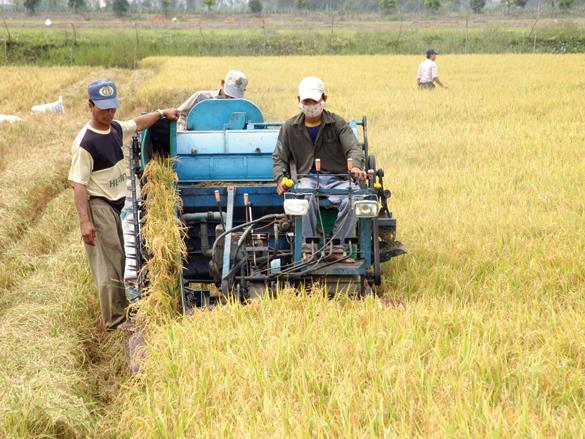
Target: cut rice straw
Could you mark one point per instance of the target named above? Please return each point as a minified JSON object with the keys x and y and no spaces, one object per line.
{"x":164,"y":239}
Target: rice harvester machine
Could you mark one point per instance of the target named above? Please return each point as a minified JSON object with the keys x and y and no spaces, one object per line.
{"x":243,"y":239}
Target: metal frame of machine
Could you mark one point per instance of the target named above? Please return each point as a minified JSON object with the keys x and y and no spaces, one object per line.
{"x":239,"y":237}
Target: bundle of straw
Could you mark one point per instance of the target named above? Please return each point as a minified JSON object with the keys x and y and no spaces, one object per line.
{"x":164,"y":239}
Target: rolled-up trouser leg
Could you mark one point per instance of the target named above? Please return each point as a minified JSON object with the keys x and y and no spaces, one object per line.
{"x":310,"y":219}
{"x":106,"y":260}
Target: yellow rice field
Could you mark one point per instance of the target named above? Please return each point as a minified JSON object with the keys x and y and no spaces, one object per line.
{"x":487,"y":180}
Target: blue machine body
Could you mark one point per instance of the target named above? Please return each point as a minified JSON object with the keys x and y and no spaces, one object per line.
{"x":226,"y":140}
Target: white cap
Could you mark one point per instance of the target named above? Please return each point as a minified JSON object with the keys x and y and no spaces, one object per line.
{"x":235,"y":84}
{"x":311,"y":88}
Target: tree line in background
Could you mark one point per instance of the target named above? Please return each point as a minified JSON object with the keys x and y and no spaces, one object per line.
{"x":387,"y":7}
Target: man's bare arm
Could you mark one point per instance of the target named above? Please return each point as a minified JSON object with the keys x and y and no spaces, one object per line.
{"x":438,"y":81}
{"x":81,"y":199}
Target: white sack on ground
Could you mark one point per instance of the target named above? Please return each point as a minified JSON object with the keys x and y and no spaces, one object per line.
{"x":9,"y":118}
{"x":55,"y":107}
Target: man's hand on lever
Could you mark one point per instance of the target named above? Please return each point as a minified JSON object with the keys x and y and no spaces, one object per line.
{"x":284,"y":185}
{"x":358,"y":174}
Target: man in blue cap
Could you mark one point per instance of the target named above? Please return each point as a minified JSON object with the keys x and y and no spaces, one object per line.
{"x":98,"y":176}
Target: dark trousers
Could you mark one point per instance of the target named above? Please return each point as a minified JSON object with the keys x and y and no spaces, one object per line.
{"x":426,"y":86}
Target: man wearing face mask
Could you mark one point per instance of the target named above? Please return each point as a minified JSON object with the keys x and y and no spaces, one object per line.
{"x":316,"y":133}
{"x":232,"y":87}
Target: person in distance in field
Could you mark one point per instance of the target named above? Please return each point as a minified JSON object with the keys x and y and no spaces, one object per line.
{"x":233,"y":86}
{"x":428,"y":72}
{"x":316,"y":133}
{"x":98,"y":176}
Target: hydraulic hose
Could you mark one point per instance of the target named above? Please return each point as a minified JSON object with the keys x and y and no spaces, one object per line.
{"x":241,"y":226}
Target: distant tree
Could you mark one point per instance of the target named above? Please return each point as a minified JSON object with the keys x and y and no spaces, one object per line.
{"x":76,"y":5}
{"x":209,"y":3}
{"x":477,"y":5}
{"x":432,"y":5}
{"x":387,"y":6}
{"x":566,"y":4}
{"x":120,"y":7}
{"x":520,"y":3}
{"x":54,"y":5}
{"x":301,"y":4}
{"x":167,"y":6}
{"x":282,"y":4}
{"x":255,"y":6}
{"x":31,"y":6}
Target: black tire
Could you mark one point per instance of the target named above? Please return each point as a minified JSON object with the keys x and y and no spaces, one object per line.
{"x":371,"y":163}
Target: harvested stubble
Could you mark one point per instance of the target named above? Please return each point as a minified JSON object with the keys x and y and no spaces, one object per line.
{"x":54,"y":381}
{"x":41,"y":383}
{"x":51,"y":380}
{"x":25,"y":194}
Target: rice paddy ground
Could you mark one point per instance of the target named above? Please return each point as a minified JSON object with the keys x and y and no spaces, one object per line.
{"x":487,"y":179}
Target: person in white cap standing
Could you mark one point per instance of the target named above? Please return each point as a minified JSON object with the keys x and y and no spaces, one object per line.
{"x":316,"y":133}
{"x":232,"y":87}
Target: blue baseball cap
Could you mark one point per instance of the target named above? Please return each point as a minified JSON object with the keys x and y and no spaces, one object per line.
{"x":103,"y":94}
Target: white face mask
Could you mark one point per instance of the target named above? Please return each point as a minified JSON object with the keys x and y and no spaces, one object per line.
{"x":314,"y":110}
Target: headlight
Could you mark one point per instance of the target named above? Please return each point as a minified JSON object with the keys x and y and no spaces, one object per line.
{"x":366,"y":209}
{"x":296,"y":206}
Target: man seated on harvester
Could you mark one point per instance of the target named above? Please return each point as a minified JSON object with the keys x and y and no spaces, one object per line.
{"x":232,"y":87}
{"x":316,"y":133}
